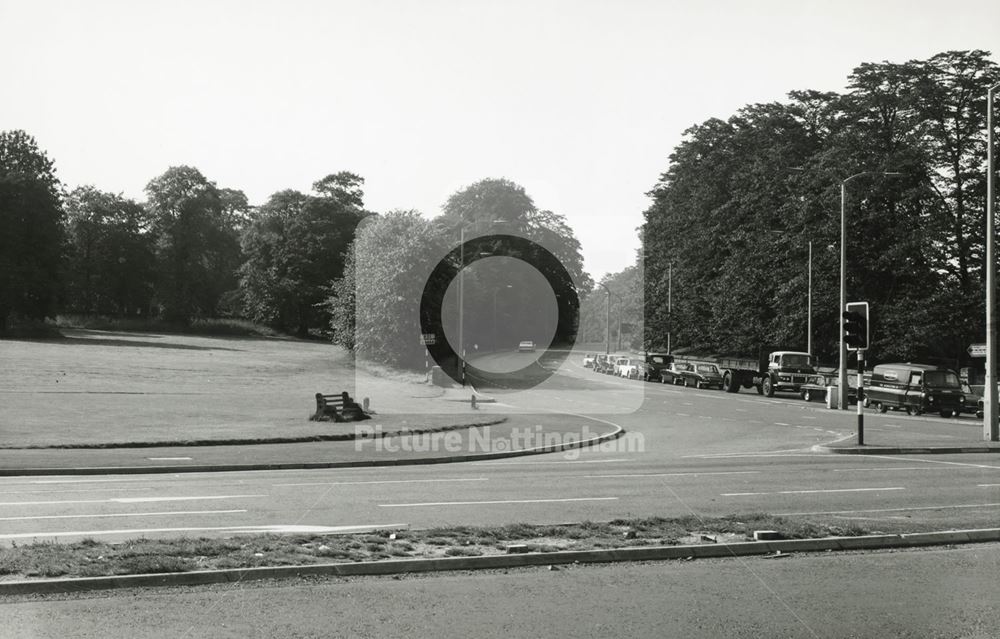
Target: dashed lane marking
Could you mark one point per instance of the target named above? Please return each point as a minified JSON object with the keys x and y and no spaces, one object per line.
{"x":102,"y":515}
{"x":812,"y":492}
{"x":499,"y":501}
{"x":384,"y":481}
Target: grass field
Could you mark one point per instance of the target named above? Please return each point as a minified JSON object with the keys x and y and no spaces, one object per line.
{"x":104,"y":386}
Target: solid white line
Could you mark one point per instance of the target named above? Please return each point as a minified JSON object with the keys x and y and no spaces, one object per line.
{"x":987,"y":485}
{"x":936,"y":461}
{"x":889,"y":510}
{"x":504,"y":501}
{"x":231,"y":529}
{"x":726,"y":472}
{"x":170,"y":458}
{"x":124,"y":500}
{"x":781,"y":424}
{"x":177,"y":512}
{"x":384,"y":481}
{"x":543,"y":463}
{"x":852,"y":470}
{"x":809,"y":492}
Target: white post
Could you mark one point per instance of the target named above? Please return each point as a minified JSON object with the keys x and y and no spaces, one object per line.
{"x":990,"y":426}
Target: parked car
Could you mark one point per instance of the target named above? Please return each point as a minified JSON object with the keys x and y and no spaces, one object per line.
{"x":588,"y":360}
{"x":629,"y":368}
{"x":916,"y":388}
{"x":702,"y":375}
{"x":604,"y":362}
{"x":527,"y":346}
{"x":619,"y":362}
{"x":657,"y":362}
{"x":973,"y":401}
{"x":672,"y":374}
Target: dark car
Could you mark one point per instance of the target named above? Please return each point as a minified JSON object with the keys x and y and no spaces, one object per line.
{"x":657,"y":362}
{"x":973,"y":401}
{"x":674,"y":373}
{"x":702,"y":376}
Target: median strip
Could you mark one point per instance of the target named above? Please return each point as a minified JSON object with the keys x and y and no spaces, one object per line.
{"x":394,"y":549}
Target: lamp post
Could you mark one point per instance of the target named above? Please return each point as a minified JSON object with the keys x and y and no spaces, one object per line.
{"x":607,"y":321}
{"x":495,"y":341}
{"x":670,"y":290}
{"x":991,"y":432}
{"x":842,"y":403}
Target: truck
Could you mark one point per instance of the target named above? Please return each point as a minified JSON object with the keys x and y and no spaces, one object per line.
{"x":777,"y":372}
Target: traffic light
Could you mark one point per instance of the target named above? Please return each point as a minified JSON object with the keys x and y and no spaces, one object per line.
{"x":856,"y":326}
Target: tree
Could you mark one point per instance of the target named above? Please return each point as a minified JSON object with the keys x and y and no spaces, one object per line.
{"x":31,"y":241}
{"x":376,"y":305}
{"x":111,"y":267}
{"x":294,"y":248}
{"x":498,"y":208}
{"x":197,"y":246}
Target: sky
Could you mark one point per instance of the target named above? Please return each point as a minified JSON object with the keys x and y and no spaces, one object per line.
{"x":580,"y":102}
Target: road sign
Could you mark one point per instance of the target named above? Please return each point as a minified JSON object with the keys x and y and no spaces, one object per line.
{"x":427,"y":339}
{"x":977,"y":350}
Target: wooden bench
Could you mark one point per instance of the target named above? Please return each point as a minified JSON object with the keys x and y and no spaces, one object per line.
{"x":340,"y":407}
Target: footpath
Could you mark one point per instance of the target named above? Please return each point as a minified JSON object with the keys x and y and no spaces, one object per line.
{"x":904,"y":435}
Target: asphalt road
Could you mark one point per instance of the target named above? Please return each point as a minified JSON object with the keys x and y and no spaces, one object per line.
{"x":944,"y":593}
{"x":687,"y":452}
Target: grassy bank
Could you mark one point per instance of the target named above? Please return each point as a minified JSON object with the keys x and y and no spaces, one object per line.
{"x":90,"y":558}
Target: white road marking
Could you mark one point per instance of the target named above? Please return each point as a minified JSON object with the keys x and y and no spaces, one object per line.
{"x":318,"y":530}
{"x":723,"y":472}
{"x":176,"y":512}
{"x":808,"y":417}
{"x":125,"y":500}
{"x":936,"y":461}
{"x":682,"y":415}
{"x":889,"y":510}
{"x":810,"y":492}
{"x":987,"y":485}
{"x":781,"y":424}
{"x":170,"y":458}
{"x":852,"y":470}
{"x":541,"y":463}
{"x":384,"y":481}
{"x":503,"y":501}
{"x":60,"y":491}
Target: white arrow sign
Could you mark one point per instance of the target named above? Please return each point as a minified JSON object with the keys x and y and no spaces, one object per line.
{"x":977,"y":350}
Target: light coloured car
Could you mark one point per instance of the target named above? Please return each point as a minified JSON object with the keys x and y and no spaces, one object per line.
{"x":588,"y":360}
{"x":629,"y":368}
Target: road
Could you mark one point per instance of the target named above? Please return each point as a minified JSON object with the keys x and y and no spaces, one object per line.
{"x":914,"y":594}
{"x":687,"y":452}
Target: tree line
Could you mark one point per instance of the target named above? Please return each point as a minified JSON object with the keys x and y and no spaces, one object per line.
{"x":191,"y":250}
{"x":299,"y":263}
{"x":742,"y":199}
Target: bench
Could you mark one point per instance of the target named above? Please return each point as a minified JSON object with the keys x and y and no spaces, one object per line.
{"x":340,"y":407}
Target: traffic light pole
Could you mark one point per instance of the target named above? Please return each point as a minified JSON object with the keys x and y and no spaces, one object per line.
{"x":861,"y":396}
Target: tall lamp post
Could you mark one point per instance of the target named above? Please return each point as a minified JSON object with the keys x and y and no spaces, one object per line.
{"x":607,"y":321}
{"x":991,"y":432}
{"x":842,"y":403}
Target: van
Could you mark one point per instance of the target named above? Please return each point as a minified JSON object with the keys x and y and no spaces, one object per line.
{"x":915,"y":388}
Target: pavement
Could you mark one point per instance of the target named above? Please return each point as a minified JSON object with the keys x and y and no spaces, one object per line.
{"x":916,"y":437}
{"x":483,"y":436}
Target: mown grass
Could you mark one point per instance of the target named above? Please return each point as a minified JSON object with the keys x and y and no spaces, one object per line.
{"x":91,"y":558}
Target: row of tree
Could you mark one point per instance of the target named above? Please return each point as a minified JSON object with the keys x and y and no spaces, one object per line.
{"x":192,"y":249}
{"x":742,"y":199}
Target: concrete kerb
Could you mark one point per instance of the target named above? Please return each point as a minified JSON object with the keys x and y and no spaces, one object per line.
{"x":368,"y":463}
{"x":904,"y":450}
{"x":395,"y":567}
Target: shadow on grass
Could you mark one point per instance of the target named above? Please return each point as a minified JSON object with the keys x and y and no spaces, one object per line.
{"x":107,"y":341}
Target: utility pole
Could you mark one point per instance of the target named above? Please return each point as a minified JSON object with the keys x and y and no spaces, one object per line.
{"x":991,"y":432}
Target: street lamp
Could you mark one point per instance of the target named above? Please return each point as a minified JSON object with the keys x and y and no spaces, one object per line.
{"x":607,"y":321}
{"x":991,"y":432}
{"x":495,"y":341}
{"x":842,"y":403}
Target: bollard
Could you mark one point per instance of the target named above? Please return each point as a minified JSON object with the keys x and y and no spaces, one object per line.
{"x":474,"y":407}
{"x":831,"y":397}
{"x":364,"y":404}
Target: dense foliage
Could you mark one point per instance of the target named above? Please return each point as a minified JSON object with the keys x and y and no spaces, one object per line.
{"x":741,"y":200}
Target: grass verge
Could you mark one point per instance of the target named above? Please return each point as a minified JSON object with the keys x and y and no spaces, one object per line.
{"x":202,"y":326}
{"x":90,"y":558}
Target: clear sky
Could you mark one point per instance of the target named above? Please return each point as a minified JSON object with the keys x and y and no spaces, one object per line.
{"x":580,"y":102}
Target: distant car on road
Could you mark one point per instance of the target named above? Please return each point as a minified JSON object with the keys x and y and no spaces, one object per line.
{"x":702,"y":375}
{"x":588,"y":360}
{"x":619,"y":362}
{"x":527,"y":346}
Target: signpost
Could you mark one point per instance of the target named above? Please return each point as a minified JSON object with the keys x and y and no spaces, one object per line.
{"x":977,"y":350}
